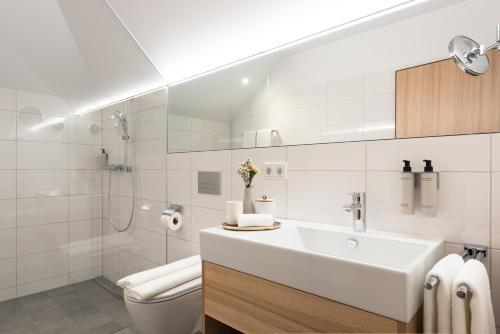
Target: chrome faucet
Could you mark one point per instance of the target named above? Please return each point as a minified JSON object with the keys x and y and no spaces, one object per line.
{"x":358,"y":209}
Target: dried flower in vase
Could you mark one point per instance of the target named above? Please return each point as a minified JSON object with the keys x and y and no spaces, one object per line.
{"x":247,"y":171}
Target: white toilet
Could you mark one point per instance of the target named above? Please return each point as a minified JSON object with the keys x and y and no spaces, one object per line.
{"x":176,"y":311}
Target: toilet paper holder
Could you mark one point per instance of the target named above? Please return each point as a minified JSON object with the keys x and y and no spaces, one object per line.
{"x":171,"y":209}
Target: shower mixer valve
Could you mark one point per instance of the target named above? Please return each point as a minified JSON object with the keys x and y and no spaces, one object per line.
{"x":114,"y":167}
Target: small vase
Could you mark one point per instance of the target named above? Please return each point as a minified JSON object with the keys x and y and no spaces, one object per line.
{"x":248,"y":206}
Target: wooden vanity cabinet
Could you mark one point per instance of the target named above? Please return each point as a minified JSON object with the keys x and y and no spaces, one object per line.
{"x":235,"y":302}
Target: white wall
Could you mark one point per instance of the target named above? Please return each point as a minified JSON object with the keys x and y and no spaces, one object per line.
{"x":321,"y":176}
{"x":50,"y":195}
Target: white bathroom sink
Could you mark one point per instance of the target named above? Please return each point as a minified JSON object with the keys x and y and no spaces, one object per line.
{"x":375,"y":271}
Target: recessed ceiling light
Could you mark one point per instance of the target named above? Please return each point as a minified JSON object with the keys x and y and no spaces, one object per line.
{"x":245,"y":81}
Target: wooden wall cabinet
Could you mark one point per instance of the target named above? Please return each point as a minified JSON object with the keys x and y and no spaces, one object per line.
{"x":438,"y":99}
{"x":235,"y":302}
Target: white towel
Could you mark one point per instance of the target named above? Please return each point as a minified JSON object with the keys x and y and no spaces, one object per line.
{"x":474,"y":315}
{"x":149,"y":275}
{"x":263,"y":219}
{"x":159,"y":285}
{"x":437,"y":301}
{"x":264,"y":138}
{"x":249,"y":138}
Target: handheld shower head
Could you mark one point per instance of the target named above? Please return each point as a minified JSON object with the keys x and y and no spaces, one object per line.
{"x":122,"y":121}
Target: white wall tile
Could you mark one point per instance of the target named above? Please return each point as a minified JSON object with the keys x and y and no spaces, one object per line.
{"x":345,"y":89}
{"x":7,"y":243}
{"x":347,"y":111}
{"x":380,"y":82}
{"x":495,"y":210}
{"x":7,"y":273}
{"x":40,"y":266}
{"x":7,"y":184}
{"x":8,"y":125}
{"x":313,"y":95}
{"x":204,"y":218}
{"x":130,"y":263}
{"x":42,"y":285}
{"x":148,"y":215}
{"x":338,"y":156}
{"x":211,"y":161}
{"x":84,"y":157}
{"x":32,"y":127}
{"x":85,"y":182}
{"x":151,"y":184}
{"x":84,"y":130}
{"x":8,"y":99}
{"x":35,"y":155}
{"x":384,"y":129}
{"x":85,"y":207}
{"x":84,"y":232}
{"x":178,"y":249}
{"x":147,"y":244}
{"x":42,"y":238}
{"x":180,"y":161}
{"x":8,"y":156}
{"x":452,"y":153}
{"x":84,"y":257}
{"x":319,"y":195}
{"x":84,"y":275}
{"x":345,"y":132}
{"x":463,"y":207}
{"x":179,"y":186}
{"x":150,"y":124}
{"x":8,"y":213}
{"x":42,"y":210}
{"x":41,"y":183}
{"x":150,"y":154}
{"x":495,"y":152}
{"x":379,"y":107}
{"x":42,"y":103}
{"x":150,"y":100}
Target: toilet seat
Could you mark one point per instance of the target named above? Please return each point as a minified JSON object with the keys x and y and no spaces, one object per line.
{"x":171,"y":294}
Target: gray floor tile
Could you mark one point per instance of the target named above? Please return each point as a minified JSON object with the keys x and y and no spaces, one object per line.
{"x":80,"y":308}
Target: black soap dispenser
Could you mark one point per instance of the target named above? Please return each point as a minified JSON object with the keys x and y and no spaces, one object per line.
{"x":407,"y":190}
{"x":429,"y":185}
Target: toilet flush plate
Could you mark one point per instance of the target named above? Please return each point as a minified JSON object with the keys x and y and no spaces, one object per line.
{"x":209,"y":183}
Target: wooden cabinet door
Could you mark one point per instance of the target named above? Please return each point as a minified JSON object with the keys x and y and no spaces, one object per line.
{"x":439,"y":99}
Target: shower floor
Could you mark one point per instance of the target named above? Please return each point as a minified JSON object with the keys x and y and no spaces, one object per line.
{"x":84,"y":307}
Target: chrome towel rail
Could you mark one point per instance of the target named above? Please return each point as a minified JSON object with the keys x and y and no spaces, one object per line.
{"x":477,"y":252}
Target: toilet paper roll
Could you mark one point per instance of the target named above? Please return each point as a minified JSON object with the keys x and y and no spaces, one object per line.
{"x":233,"y":210}
{"x":172,"y":222}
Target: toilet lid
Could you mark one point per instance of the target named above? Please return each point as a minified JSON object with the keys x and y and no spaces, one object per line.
{"x":173,"y":293}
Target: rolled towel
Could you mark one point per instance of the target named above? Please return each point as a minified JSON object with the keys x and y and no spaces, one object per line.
{"x":159,"y":285}
{"x":151,"y":274}
{"x":263,"y":219}
{"x":475,"y":313}
{"x":437,"y":301}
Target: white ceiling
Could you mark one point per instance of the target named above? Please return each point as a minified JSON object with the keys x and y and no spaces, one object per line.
{"x":94,"y":52}
{"x":187,"y":37}
{"x":77,"y":50}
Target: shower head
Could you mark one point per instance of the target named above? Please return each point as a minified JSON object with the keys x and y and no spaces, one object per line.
{"x":470,"y":56}
{"x":122,"y":121}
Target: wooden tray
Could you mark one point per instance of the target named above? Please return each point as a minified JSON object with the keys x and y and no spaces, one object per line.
{"x":251,"y":228}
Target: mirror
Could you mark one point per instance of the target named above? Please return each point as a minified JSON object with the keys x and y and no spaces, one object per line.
{"x":282,"y":98}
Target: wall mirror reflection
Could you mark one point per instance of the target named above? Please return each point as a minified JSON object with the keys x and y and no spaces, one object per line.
{"x":283,"y":98}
